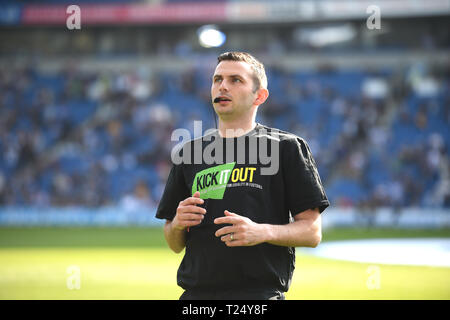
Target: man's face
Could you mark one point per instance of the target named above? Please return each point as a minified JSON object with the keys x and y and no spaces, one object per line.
{"x":232,"y":90}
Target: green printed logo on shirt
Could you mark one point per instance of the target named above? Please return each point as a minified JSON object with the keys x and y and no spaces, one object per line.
{"x":212,"y":182}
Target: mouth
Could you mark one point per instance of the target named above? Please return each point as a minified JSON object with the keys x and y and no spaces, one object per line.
{"x":222,"y":99}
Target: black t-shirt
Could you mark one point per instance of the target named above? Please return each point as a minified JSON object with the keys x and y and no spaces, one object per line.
{"x":262,"y":189}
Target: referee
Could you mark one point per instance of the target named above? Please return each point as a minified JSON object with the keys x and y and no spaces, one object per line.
{"x":238,"y":224}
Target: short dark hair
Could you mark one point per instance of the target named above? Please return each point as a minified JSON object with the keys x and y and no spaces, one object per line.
{"x":259,"y":73}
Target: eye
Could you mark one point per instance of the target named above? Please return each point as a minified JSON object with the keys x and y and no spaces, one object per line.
{"x":237,"y":80}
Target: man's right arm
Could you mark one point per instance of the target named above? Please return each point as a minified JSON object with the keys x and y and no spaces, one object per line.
{"x":187,"y":215}
{"x":176,"y":238}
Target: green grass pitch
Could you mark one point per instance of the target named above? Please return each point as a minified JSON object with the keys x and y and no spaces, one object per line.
{"x":135,"y":263}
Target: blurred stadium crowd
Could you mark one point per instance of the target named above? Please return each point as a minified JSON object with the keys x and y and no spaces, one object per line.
{"x":98,"y":138}
{"x":81,"y":137}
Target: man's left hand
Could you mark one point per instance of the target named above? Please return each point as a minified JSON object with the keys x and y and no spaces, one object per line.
{"x":242,"y":232}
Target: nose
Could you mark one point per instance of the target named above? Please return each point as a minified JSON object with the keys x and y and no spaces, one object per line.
{"x":223,"y":86}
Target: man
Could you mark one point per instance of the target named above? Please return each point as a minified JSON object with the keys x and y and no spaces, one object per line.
{"x":238,"y":223}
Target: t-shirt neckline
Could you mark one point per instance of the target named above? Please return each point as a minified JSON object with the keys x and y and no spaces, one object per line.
{"x":257,"y":126}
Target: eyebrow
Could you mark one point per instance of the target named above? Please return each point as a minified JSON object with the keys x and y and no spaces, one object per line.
{"x":230,"y":76}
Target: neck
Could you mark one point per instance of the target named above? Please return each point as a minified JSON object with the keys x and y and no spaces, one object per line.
{"x":236,"y":128}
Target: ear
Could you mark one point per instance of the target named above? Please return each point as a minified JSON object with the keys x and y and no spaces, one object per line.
{"x":261,"y":96}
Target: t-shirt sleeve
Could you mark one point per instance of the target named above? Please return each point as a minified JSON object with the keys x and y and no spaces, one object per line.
{"x":303,"y":186}
{"x":174,"y":192}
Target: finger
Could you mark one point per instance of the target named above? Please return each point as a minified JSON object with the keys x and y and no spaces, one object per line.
{"x":190,"y":223}
{"x":225,"y":230}
{"x":192,"y":201}
{"x":191,"y":209}
{"x":228,"y":238}
{"x":190,"y":216}
{"x":235,"y":243}
{"x":196,"y":194}
{"x":230,"y":220}
{"x":232,"y":214}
